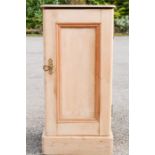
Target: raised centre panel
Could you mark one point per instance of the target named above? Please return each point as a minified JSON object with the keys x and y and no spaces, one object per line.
{"x":77,"y":72}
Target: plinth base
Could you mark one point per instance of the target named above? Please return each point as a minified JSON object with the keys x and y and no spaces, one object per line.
{"x":77,"y":145}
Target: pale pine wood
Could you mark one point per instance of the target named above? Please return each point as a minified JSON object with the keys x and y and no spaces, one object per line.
{"x":77,"y":46}
{"x":106,"y":71}
{"x":77,"y":100}
{"x":80,"y":54}
{"x":50,"y":81}
{"x":77,"y":145}
{"x":47,"y":6}
{"x":83,"y":16}
{"x":78,"y":94}
{"x":78,"y":128}
{"x":51,"y":19}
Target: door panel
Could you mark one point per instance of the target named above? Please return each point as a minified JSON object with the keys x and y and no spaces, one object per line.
{"x":77,"y":47}
{"x":77,"y":78}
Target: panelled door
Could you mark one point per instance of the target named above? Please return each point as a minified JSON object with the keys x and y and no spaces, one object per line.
{"x":76,"y":103}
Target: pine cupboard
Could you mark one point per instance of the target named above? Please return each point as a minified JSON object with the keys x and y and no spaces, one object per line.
{"x":78,"y":45}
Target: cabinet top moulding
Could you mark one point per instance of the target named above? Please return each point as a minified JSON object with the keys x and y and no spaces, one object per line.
{"x":78,"y":6}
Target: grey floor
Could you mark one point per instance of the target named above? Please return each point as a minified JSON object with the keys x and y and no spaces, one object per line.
{"x":35,"y":95}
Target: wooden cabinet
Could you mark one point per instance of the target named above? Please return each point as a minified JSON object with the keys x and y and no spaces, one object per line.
{"x":78,"y":43}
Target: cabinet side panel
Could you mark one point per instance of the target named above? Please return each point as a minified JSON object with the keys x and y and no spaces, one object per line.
{"x":106,"y":71}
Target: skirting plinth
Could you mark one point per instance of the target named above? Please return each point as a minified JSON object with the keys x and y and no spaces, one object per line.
{"x":77,"y":145}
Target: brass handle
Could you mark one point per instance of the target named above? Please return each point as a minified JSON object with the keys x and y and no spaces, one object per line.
{"x":49,"y":67}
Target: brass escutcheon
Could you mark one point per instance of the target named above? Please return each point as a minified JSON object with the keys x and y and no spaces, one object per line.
{"x":49,"y":67}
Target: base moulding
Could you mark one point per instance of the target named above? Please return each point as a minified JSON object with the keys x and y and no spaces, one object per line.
{"x":77,"y":145}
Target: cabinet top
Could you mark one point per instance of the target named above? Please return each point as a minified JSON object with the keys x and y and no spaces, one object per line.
{"x":78,"y":6}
